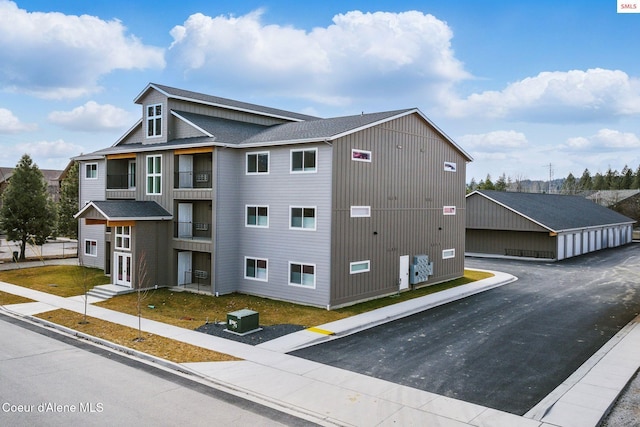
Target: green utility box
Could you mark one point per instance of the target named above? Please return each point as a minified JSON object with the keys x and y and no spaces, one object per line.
{"x":243,"y":321}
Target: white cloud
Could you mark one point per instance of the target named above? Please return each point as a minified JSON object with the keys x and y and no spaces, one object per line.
{"x":494,"y":141}
{"x":405,"y":53}
{"x":52,"y":55}
{"x":605,"y":139}
{"x":48,"y":150}
{"x":11,"y":124}
{"x":595,"y":94}
{"x":92,"y":117}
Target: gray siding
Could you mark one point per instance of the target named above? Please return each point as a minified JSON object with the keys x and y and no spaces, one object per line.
{"x":150,"y":242}
{"x":207,"y":110}
{"x":92,"y":189}
{"x":279,"y":190}
{"x":486,"y":214}
{"x":407,"y":187}
{"x":512,"y":243}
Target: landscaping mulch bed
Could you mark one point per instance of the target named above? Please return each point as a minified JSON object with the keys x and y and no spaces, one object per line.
{"x":266,"y":334}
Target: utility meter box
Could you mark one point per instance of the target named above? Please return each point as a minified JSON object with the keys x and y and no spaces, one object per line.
{"x":243,"y":321}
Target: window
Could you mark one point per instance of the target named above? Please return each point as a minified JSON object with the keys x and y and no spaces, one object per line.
{"x":448,"y":253}
{"x":123,"y":237}
{"x":154,"y":174}
{"x":302,"y":274}
{"x":91,"y":247}
{"x":154,"y":120}
{"x":131,"y":174}
{"x":448,"y":210}
{"x":257,"y":163}
{"x":91,"y":171}
{"x":359,"y":267}
{"x":360,"y":155}
{"x":360,"y":211}
{"x":257,"y":216}
{"x":303,"y":160}
{"x":256,"y":269}
{"x":303,"y":218}
{"x":450,"y":167}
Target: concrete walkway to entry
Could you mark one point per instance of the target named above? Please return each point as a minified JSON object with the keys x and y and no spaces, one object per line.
{"x":333,"y":396}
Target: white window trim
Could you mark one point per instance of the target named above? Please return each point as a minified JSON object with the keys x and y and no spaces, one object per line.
{"x":448,"y":253}
{"x":315,"y":217}
{"x":123,"y":236}
{"x":256,"y":153}
{"x":257,"y":279}
{"x":302,"y":150}
{"x":354,"y":214}
{"x":85,"y":247}
{"x":246,"y":216}
{"x":448,"y":210}
{"x":86,"y":169}
{"x":450,"y":167}
{"x":302,"y":264}
{"x":352,"y":264}
{"x":155,"y":174}
{"x":154,"y":117}
{"x":356,"y":150}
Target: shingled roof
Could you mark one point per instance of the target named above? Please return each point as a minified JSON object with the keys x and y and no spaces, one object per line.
{"x":556,"y":212}
{"x":127,"y":210}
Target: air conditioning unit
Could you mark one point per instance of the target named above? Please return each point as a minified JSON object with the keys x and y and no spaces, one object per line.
{"x":201,"y":274}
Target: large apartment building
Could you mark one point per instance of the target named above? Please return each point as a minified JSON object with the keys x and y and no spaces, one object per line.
{"x":244,"y":198}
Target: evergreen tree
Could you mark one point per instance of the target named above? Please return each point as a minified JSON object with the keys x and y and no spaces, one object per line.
{"x":585,"y":182}
{"x":487,"y":184}
{"x":27,"y":213}
{"x":599,"y":182}
{"x":626,"y":178}
{"x":501,"y":183}
{"x":68,"y":204}
{"x":570,"y":185}
{"x":636,"y":180}
{"x":611,"y":180}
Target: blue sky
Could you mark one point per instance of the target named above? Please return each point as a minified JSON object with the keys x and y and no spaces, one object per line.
{"x":519,"y":85}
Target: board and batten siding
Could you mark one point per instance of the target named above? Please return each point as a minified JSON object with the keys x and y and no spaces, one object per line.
{"x":483,"y":213}
{"x":92,"y":189}
{"x":279,"y":190}
{"x":406,"y":186}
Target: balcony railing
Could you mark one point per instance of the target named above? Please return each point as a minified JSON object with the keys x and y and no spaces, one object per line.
{"x":193,"y":179}
{"x":120,"y":182}
{"x":192,"y":230}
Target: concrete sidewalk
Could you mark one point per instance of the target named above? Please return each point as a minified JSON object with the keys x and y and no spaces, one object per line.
{"x":333,"y":396}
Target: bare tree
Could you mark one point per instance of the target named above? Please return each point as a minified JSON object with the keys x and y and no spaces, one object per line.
{"x":82,"y":276}
{"x":142,"y":290}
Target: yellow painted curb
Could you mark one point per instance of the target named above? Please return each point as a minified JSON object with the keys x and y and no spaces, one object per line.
{"x":321,"y":331}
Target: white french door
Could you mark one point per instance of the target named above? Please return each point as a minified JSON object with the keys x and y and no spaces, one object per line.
{"x":185,"y":220}
{"x":184,"y":268}
{"x":122,"y":269}
{"x":185,"y":169}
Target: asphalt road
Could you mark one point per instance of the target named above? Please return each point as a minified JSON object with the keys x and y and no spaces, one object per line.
{"x":61,"y":381}
{"x":506,"y":348}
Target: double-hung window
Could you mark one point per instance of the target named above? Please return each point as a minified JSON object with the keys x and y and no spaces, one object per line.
{"x":304,"y":160}
{"x":256,"y":269}
{"x":303,"y":218}
{"x":257,"y":163}
{"x":257,"y":216}
{"x":123,"y":237}
{"x":154,"y":174}
{"x":154,"y":120}
{"x":302,"y":274}
{"x":91,"y":171}
{"x":91,"y":247}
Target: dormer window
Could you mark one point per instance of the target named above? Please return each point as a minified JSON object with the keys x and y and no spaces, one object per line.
{"x":154,"y":120}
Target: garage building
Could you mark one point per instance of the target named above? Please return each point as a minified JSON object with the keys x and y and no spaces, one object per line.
{"x":547,"y":226}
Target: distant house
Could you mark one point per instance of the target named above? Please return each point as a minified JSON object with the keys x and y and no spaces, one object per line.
{"x":609,"y":198}
{"x":629,"y":206}
{"x":238,"y":197}
{"x":51,"y":176}
{"x":533,"y":225}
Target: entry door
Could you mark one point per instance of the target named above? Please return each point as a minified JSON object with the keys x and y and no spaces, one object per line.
{"x":122,"y":269}
{"x":185,"y":220}
{"x":185,"y":167}
{"x":184,"y":268}
{"x":404,"y":272}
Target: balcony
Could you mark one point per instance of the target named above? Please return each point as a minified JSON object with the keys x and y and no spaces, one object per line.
{"x":192,"y":230}
{"x":121,"y":181}
{"x":193,"y":179}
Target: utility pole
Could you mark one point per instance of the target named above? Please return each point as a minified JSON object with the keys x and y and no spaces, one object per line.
{"x":550,"y":166}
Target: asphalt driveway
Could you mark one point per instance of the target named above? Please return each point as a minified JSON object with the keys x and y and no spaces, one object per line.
{"x":506,"y":348}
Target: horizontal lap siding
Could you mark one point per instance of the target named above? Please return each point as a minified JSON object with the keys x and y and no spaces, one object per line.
{"x":406,"y":186}
{"x":279,"y":190}
{"x":92,"y":189}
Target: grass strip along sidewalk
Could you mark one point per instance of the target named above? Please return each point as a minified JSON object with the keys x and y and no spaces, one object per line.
{"x":183,"y":309}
